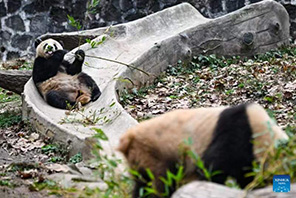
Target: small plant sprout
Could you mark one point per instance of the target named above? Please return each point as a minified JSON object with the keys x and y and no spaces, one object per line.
{"x":118,"y":185}
{"x":94,"y":43}
{"x":92,"y":6}
{"x":170,"y":181}
{"x":76,"y":158}
{"x":74,"y":23}
{"x":202,"y":170}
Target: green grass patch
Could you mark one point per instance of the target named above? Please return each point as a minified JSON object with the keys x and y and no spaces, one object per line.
{"x":76,"y":158}
{"x":8,"y":119}
{"x":14,"y":167}
{"x":8,"y":96}
{"x":46,"y":184}
{"x":50,"y":148}
{"x":56,"y":159}
{"x":26,"y":66}
{"x":6,"y":183}
{"x":57,"y":152}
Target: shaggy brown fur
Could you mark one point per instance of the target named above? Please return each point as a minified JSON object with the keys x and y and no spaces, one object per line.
{"x":69,"y":85}
{"x":155,"y":144}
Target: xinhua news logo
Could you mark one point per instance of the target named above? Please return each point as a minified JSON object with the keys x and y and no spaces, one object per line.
{"x":281,"y":183}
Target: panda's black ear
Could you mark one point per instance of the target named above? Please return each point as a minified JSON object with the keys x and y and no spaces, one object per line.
{"x":37,"y":42}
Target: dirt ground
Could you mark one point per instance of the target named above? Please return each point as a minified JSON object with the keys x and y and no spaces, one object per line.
{"x":24,"y":162}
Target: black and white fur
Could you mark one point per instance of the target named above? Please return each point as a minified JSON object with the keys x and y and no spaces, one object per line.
{"x":60,"y":82}
{"x":227,"y":139}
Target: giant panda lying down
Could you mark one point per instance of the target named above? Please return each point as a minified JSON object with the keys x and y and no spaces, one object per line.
{"x":60,"y":83}
{"x":228,"y":139}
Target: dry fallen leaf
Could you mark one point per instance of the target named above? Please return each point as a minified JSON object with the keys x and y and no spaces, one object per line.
{"x":58,"y":168}
{"x":270,"y":83}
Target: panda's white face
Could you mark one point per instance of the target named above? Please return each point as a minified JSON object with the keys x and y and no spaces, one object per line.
{"x":46,"y":48}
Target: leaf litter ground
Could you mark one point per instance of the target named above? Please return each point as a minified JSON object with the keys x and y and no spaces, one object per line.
{"x":208,"y":81}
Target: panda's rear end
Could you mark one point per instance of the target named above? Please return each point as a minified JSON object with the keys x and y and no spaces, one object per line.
{"x":227,"y":139}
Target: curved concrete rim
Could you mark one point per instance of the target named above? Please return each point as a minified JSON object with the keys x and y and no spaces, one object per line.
{"x":151,"y":43}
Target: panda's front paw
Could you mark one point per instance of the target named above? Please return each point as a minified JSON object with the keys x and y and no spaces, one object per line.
{"x":79,"y":54}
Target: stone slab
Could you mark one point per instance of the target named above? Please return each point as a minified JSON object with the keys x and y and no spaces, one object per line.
{"x":14,"y":80}
{"x":202,"y":189}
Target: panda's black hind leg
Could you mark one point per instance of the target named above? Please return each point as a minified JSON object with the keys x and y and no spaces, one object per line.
{"x":58,"y":99}
{"x":89,"y":82}
{"x":96,"y":93}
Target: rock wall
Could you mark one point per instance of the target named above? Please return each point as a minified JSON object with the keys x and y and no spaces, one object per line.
{"x":21,"y":21}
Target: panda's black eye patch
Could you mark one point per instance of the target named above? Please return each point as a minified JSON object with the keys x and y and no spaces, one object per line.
{"x":55,"y":47}
{"x":44,"y":47}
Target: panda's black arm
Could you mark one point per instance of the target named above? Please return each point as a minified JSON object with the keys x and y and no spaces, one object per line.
{"x":44,"y":69}
{"x":76,"y":66}
{"x":57,"y":56}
